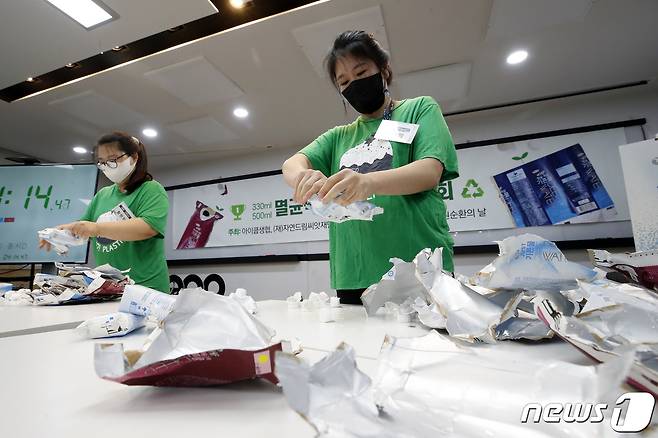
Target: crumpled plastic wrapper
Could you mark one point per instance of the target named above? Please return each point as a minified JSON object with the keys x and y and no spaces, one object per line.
{"x":515,"y":328}
{"x":206,"y":340}
{"x":429,"y":315}
{"x":430,"y":387}
{"x":334,"y":212}
{"x":639,"y":267}
{"x":106,"y":271}
{"x":61,"y":240}
{"x":403,"y":312}
{"x":5,"y":287}
{"x":240,"y":295}
{"x":73,"y":285}
{"x":443,"y":302}
{"x":470,"y":316}
{"x":404,"y":280}
{"x":144,"y":301}
{"x":609,"y":332}
{"x":21,"y":297}
{"x":532,"y":262}
{"x":110,"y":325}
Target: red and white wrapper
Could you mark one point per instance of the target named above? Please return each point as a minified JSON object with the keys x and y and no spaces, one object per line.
{"x":207,"y":339}
{"x":209,"y":368}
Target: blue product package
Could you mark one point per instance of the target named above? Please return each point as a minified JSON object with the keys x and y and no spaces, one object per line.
{"x":526,"y":198}
{"x":506,"y":193}
{"x":589,"y":175}
{"x":550,"y":191}
{"x":579,"y":196}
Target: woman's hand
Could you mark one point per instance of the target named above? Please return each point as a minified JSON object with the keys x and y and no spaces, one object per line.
{"x":307,"y":183}
{"x":346,"y":186}
{"x":45,"y":245}
{"x":82,"y":229}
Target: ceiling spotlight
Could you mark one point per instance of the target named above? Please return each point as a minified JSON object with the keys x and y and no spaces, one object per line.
{"x":150,"y":132}
{"x":72,"y":65}
{"x":79,"y":150}
{"x":240,"y":112}
{"x":119,"y":48}
{"x":239,"y":4}
{"x":31,"y":79}
{"x":517,"y":57}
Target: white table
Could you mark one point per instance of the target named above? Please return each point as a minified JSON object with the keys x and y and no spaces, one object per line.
{"x":49,"y":387}
{"x":22,"y":320}
{"x":364,"y":333}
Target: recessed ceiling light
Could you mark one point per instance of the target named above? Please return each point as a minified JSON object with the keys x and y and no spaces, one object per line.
{"x":30,"y":79}
{"x":240,"y":113}
{"x":150,"y":132}
{"x":79,"y":150}
{"x":517,"y":57}
{"x":118,"y":48}
{"x":85,"y":12}
{"x":238,"y":4}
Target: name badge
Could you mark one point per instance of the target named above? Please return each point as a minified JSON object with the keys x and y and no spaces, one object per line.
{"x":396,"y":131}
{"x":122,"y":212}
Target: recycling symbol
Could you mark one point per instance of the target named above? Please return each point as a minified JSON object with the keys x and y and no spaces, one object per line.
{"x":472,"y":190}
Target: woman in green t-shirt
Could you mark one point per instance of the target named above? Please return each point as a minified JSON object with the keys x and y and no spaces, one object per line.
{"x":127,"y":220}
{"x":350,"y":163}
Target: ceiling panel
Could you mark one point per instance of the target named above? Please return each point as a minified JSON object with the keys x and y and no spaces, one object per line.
{"x":316,"y":39}
{"x":98,"y":110}
{"x":513,"y":18}
{"x":204,"y":131}
{"x":195,"y":81}
{"x":50,"y":39}
{"x":445,"y":83}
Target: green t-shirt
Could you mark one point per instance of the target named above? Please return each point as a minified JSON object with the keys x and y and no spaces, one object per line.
{"x":145,"y":258}
{"x":360,"y":250}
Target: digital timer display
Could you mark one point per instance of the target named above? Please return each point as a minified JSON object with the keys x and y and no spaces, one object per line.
{"x":36,"y":197}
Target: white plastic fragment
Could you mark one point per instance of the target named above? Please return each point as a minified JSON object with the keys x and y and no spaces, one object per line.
{"x":110,"y":325}
{"x":334,"y":212}
{"x":325,"y":314}
{"x":294,"y":301}
{"x":61,"y":240}
{"x":143,"y":301}
{"x":247,"y":302}
{"x":21,"y":297}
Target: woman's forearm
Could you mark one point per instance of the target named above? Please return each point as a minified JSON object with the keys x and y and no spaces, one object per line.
{"x":128,"y":230}
{"x":292,"y":166}
{"x":415,"y":177}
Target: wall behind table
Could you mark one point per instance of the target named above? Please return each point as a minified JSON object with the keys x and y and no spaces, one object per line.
{"x":278,"y":280}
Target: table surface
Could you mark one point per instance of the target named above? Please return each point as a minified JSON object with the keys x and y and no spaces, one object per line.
{"x":21,"y":320}
{"x":49,"y":387}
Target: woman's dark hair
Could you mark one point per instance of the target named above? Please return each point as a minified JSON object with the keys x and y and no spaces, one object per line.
{"x":130,"y":145}
{"x":358,"y":44}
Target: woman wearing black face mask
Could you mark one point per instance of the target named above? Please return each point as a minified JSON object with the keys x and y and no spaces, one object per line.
{"x":395,"y":169}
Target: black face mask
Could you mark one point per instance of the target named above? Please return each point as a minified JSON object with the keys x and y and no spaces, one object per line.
{"x":366,"y":95}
